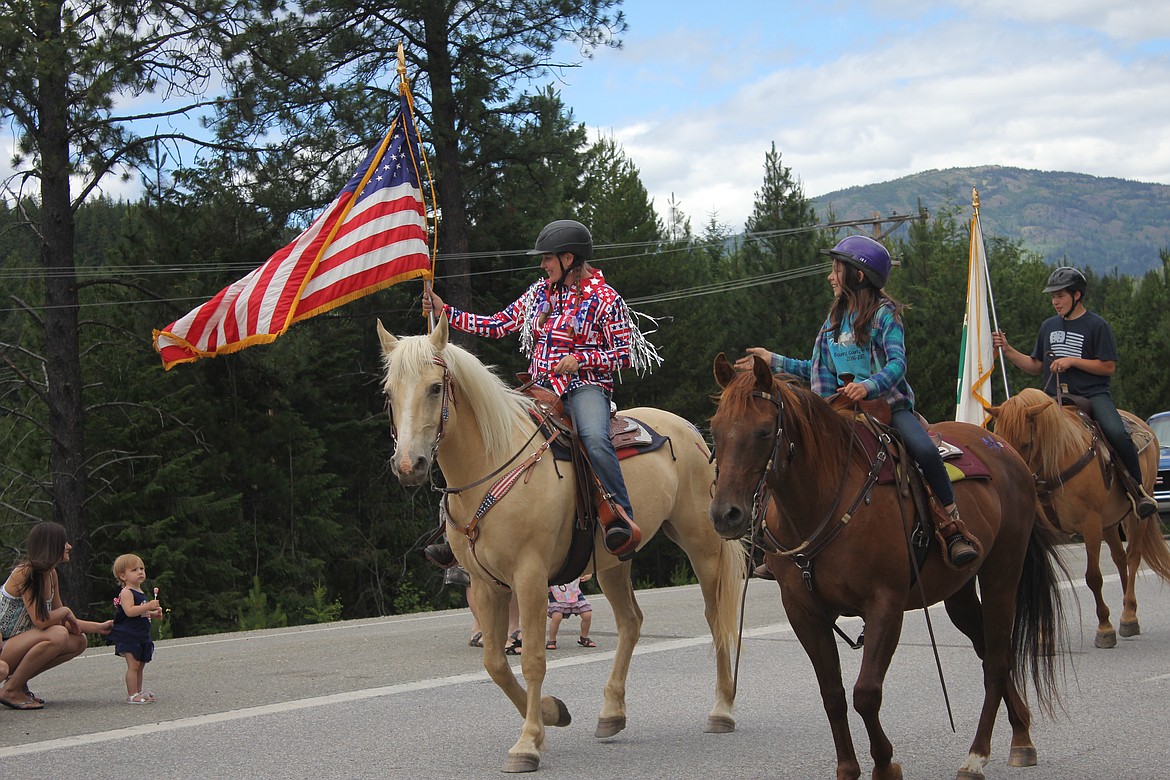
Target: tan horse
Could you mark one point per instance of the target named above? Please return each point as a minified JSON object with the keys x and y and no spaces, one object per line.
{"x":525,"y":536}
{"x":1053,"y":442}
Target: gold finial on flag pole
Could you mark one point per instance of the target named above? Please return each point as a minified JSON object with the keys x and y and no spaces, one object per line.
{"x":975,"y":199}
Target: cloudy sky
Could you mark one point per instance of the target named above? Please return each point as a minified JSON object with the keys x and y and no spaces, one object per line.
{"x":862,"y":92}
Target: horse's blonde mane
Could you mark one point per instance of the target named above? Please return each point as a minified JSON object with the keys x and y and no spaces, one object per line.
{"x":498,"y":409}
{"x":1059,"y":437}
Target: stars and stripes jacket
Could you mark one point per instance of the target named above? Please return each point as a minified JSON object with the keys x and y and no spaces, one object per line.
{"x":589,"y":321}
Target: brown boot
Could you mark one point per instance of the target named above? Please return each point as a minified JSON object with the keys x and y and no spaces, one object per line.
{"x":622,"y":536}
{"x":1143,"y":504}
{"x":960,"y":547}
{"x":763,"y":572}
{"x":440,"y":554}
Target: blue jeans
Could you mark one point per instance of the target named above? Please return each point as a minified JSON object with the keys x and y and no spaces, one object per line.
{"x":1105,"y":413}
{"x":588,"y":406}
{"x":921,"y":448}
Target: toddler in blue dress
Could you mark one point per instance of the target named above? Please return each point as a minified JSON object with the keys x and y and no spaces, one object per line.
{"x":131,"y":633}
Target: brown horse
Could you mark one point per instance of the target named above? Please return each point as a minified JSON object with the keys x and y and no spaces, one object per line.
{"x":447,"y":405}
{"x":1086,"y":498}
{"x":842,"y":548}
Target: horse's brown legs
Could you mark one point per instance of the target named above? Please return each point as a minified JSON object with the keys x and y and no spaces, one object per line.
{"x":883,"y":629}
{"x":627,"y":615}
{"x":816,"y":637}
{"x":966,"y":612}
{"x":1127,"y":561}
{"x":1106,"y":636}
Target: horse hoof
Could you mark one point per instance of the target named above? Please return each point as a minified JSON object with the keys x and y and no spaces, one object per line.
{"x":892,"y":772}
{"x":719,"y":724}
{"x":607,"y":727}
{"x":1022,"y":756}
{"x":1130,"y":629}
{"x":563,"y":718}
{"x":967,"y":774}
{"x":1105,"y":640}
{"x":522,"y":763}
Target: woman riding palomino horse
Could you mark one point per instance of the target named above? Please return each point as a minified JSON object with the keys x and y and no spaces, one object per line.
{"x":513,"y":535}
{"x":1076,"y":352}
{"x":577,"y":331}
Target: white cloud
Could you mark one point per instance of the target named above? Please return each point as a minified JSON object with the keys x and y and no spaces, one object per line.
{"x":1042,"y":86}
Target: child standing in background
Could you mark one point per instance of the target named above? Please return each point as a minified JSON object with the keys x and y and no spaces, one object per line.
{"x":131,"y":634}
{"x":565,"y":600}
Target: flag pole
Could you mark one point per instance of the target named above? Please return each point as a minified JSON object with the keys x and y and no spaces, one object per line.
{"x":404,"y":88}
{"x":991,"y":296}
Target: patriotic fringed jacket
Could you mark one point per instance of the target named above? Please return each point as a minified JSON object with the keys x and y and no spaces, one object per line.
{"x":589,"y":321}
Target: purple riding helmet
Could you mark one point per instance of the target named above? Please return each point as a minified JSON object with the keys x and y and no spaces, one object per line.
{"x":865,"y":254}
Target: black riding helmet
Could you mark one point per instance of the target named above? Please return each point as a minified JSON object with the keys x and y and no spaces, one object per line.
{"x":1067,"y":278}
{"x":565,"y":235}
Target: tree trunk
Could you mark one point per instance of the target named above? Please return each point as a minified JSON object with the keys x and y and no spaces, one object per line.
{"x":454,"y":269}
{"x":62,"y":352}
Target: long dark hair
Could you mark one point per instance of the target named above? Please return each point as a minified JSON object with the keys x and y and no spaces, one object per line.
{"x":863,"y":300}
{"x":44,"y":549}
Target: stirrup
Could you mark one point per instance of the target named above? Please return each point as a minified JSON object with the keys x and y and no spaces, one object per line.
{"x":622,"y":541}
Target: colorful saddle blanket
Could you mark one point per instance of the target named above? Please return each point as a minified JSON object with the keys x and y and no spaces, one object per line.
{"x":961,"y":463}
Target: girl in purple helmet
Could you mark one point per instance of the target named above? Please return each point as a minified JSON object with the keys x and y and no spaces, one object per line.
{"x":870,"y":363}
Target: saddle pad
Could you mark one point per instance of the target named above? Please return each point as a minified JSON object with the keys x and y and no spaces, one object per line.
{"x":961,"y":463}
{"x":630,"y":437}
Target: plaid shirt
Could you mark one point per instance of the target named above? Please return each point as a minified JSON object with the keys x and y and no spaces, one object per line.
{"x":589,"y":321}
{"x":887,"y":378}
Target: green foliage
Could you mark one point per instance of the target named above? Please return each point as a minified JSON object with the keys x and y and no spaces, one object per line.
{"x":254,"y":613}
{"x":321,"y":610}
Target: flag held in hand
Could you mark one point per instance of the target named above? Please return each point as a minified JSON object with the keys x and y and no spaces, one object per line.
{"x":373,"y":235}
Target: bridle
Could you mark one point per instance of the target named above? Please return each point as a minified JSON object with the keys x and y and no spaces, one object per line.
{"x":444,"y":412}
{"x":828,"y":529}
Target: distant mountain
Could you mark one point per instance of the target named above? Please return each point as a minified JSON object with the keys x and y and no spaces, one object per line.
{"x":1070,"y":218}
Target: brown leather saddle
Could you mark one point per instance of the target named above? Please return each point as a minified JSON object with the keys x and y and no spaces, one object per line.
{"x":629,"y":437}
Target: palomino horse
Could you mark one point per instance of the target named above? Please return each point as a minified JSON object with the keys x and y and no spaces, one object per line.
{"x":1085,"y":497}
{"x":444,"y":401}
{"x":842,"y":548}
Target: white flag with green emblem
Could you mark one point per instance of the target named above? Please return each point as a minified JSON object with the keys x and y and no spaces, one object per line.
{"x":976,"y":359}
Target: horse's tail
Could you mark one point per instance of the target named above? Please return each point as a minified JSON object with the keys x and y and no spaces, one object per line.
{"x":1145,"y":536}
{"x":1039,"y":636}
{"x":732,"y":571}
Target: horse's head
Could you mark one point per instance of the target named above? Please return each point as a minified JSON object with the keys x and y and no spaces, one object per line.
{"x":418,"y":398}
{"x":1039,"y":430}
{"x":747,"y":430}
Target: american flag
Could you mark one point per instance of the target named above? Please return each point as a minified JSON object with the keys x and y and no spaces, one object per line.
{"x":373,"y":235}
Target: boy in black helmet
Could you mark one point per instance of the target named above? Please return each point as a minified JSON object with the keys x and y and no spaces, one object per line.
{"x":1077,"y":348}
{"x":577,"y":331}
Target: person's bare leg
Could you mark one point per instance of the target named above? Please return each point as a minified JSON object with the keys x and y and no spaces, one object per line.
{"x":586,"y":621}
{"x":554,"y":625}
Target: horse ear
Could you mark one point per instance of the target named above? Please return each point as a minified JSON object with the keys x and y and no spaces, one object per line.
{"x":439,"y":334}
{"x":386,"y":339}
{"x":994,"y":410}
{"x":724,"y":373}
{"x":762,"y":373}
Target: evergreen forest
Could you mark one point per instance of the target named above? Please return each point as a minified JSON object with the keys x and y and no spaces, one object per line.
{"x":256,"y":486}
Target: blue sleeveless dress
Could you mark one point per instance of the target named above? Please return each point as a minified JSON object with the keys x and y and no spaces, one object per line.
{"x":132,"y":634}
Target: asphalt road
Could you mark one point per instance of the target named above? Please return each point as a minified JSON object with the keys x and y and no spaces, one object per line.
{"x":405,"y":697}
